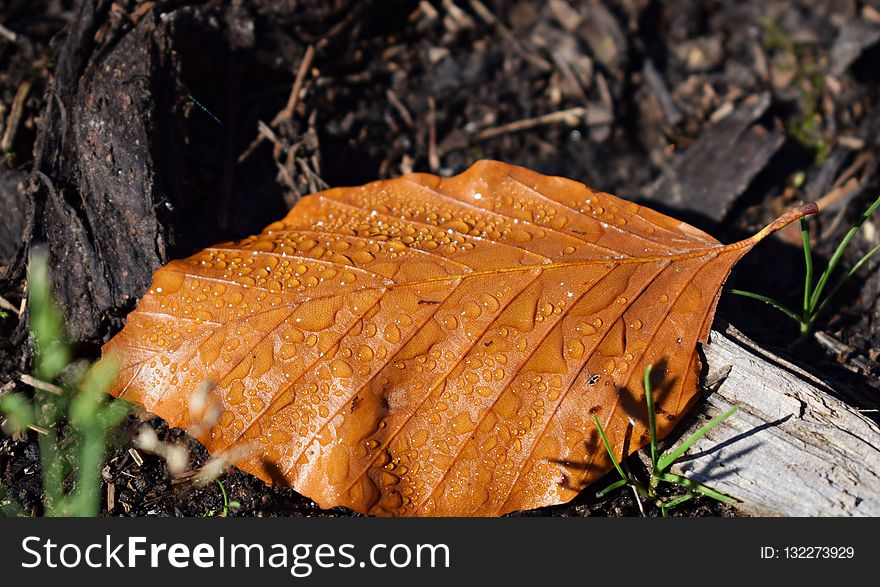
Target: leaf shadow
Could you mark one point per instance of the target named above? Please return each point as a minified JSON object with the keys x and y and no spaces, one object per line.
{"x":633,"y":405}
{"x":572,"y":468}
{"x":734,"y":439}
{"x":721,"y":466}
{"x":274,"y":472}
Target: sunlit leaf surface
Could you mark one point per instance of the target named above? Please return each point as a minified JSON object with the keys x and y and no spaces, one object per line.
{"x":428,"y":346}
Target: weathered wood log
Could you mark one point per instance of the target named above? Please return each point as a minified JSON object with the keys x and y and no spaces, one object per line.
{"x":793,"y":449}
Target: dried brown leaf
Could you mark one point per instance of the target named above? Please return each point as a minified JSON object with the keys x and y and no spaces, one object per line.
{"x":428,"y":346}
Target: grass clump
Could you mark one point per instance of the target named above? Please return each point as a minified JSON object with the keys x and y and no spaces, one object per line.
{"x":661,"y":462}
{"x":65,"y":392}
{"x":814,"y":302}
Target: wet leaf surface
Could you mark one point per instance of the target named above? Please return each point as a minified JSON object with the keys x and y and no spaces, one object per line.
{"x":428,"y":346}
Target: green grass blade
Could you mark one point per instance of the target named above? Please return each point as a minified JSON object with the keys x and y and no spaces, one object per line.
{"x":616,"y":485}
{"x":609,"y":449}
{"x":86,"y":499}
{"x":697,"y":487}
{"x":18,"y":411}
{"x":88,"y":403}
{"x":679,"y":500}
{"x":45,"y":320}
{"x":113,"y":413}
{"x":838,"y":254}
{"x":782,"y":308}
{"x":808,"y":262}
{"x":93,"y":418}
{"x":53,"y":472}
{"x":222,"y":491}
{"x":50,"y":357}
{"x":844,"y":279}
{"x":652,"y":415}
{"x":666,"y":459}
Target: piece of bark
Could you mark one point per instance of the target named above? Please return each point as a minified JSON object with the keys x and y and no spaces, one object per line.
{"x":671,"y":112}
{"x":854,"y":38}
{"x":792,"y":449}
{"x":13,"y":213}
{"x":95,"y":185}
{"x":713,"y":172}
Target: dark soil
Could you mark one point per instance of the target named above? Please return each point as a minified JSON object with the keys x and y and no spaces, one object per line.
{"x":129,"y":132}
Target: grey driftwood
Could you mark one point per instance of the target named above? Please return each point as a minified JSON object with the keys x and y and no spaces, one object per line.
{"x":793,"y":449}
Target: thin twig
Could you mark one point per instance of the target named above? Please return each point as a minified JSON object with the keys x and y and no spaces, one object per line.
{"x":459,"y":18}
{"x":399,"y":106}
{"x":433,"y":157}
{"x":258,"y":140}
{"x":136,"y":456}
{"x":7,"y":305}
{"x":266,"y":132}
{"x":838,"y":193}
{"x":15,"y":113}
{"x":570,"y":116}
{"x":287,"y":113}
{"x":8,"y":34}
{"x":638,"y":500}
{"x":41,"y":385}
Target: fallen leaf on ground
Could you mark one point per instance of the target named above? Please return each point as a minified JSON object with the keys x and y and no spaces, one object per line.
{"x":428,"y":346}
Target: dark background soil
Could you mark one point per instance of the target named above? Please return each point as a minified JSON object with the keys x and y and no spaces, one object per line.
{"x":129,"y":136}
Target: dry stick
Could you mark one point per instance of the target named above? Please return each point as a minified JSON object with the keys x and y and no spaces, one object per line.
{"x":288,"y":168}
{"x":571,"y":116}
{"x":136,"y":457}
{"x":844,"y":189}
{"x":7,"y":305}
{"x":315,"y":181}
{"x":461,"y":18}
{"x":141,"y":10}
{"x":398,"y":105}
{"x":253,"y":146}
{"x":844,"y":183}
{"x":287,"y":112}
{"x":37,"y":429}
{"x":15,"y":115}
{"x":266,"y":132}
{"x":838,"y":193}
{"x":38,"y":384}
{"x":433,"y":157}
{"x":10,"y":35}
{"x":429,"y":11}
{"x":304,"y":65}
{"x":313,"y":142}
{"x":2,"y":118}
{"x":490,"y":19}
